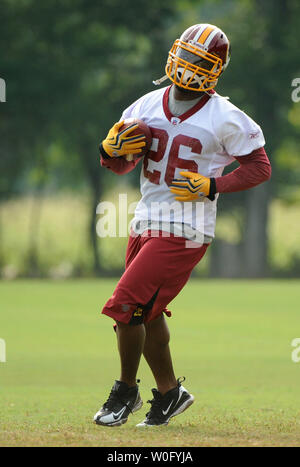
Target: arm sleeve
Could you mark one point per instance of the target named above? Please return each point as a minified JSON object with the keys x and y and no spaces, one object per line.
{"x":254,"y":169}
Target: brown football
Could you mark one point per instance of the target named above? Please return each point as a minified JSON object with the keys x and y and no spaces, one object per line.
{"x":141,"y":129}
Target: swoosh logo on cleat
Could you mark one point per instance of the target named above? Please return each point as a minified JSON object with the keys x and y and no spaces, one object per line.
{"x":119,"y":414}
{"x":166,"y":411}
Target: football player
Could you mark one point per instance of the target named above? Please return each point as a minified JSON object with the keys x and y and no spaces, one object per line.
{"x":196,"y":133}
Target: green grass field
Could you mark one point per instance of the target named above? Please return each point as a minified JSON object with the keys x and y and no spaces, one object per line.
{"x":230,"y":339}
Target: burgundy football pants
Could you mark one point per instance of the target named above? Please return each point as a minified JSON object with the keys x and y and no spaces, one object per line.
{"x":157,"y":268}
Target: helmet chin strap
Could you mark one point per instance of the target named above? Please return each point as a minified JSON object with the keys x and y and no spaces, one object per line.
{"x":157,"y":82}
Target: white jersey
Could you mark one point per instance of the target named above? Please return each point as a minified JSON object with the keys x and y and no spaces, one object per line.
{"x":204,"y":139}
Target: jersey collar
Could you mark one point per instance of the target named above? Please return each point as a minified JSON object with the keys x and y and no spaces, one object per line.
{"x":189,"y":112}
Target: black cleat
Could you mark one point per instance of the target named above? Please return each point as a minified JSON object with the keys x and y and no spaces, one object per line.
{"x":163,"y":408}
{"x":121,"y":402}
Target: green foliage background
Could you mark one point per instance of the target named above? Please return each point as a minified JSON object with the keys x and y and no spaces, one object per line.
{"x":71,"y":67}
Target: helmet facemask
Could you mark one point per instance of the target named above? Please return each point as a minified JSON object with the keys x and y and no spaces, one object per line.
{"x":191,"y":67}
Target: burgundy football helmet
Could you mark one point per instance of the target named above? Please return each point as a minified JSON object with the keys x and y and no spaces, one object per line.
{"x":198,"y":58}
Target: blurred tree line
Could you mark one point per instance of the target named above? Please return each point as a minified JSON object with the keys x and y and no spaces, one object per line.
{"x":72,"y":66}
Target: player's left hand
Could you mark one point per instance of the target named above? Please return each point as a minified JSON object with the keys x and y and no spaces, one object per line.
{"x":192,"y":186}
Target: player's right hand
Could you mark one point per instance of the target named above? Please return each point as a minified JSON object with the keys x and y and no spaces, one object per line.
{"x":118,"y":144}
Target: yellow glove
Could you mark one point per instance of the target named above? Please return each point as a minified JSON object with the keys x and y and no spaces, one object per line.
{"x":193,"y":186}
{"x":118,"y":144}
